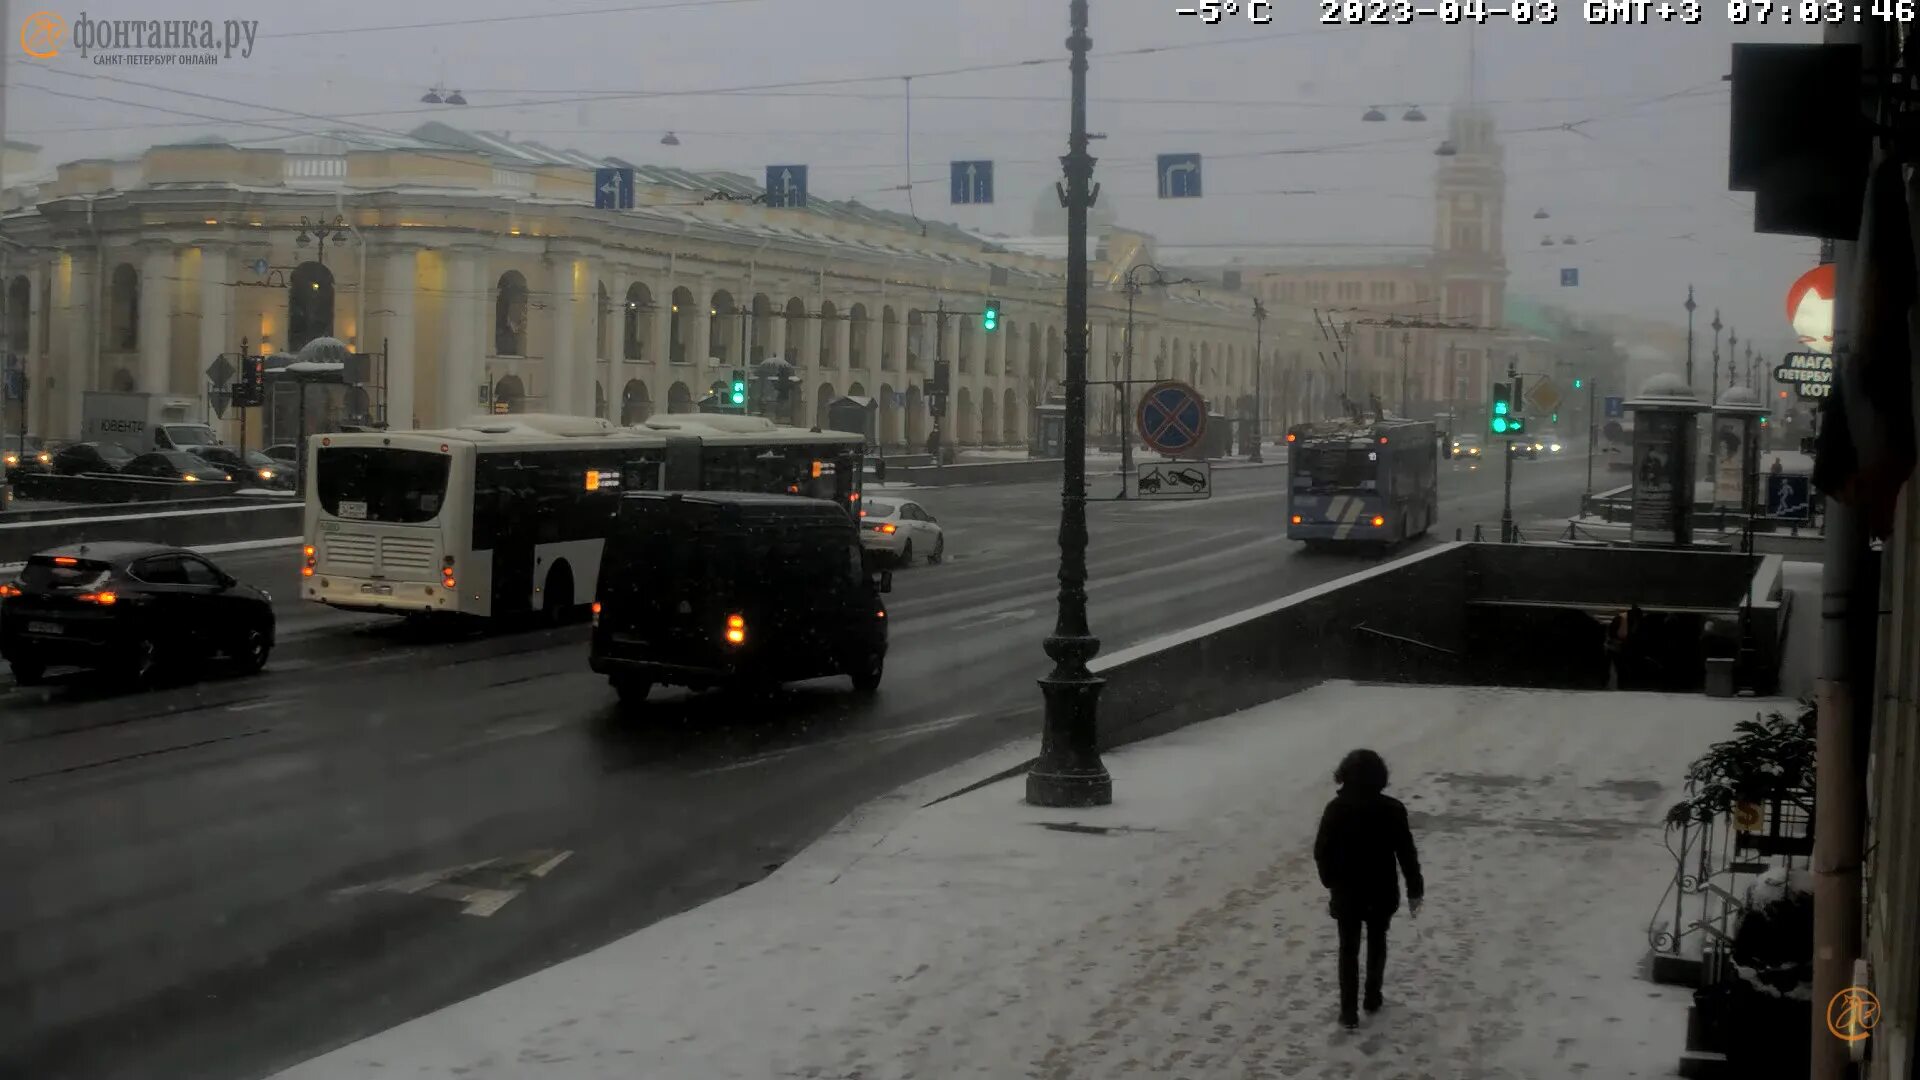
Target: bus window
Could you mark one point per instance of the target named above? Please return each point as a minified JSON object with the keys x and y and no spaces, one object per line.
{"x":366,"y":483}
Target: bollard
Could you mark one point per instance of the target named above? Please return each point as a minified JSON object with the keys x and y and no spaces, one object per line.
{"x":1456,"y":535}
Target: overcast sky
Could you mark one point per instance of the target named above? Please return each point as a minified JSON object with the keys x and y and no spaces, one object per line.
{"x":1641,"y":182}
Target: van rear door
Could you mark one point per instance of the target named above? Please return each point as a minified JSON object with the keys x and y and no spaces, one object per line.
{"x":657,"y":591}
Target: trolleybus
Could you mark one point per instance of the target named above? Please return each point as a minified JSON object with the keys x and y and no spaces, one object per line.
{"x":1361,"y":482}
{"x":506,"y":515}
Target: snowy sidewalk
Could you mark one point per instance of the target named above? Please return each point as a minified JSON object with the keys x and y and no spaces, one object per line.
{"x":1180,"y":932}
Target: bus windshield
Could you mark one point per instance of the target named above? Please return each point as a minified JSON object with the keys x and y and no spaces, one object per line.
{"x":365,"y":483}
{"x":1337,"y":466}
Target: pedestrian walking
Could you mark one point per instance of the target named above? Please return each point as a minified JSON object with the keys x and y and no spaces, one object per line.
{"x":1363,"y":834}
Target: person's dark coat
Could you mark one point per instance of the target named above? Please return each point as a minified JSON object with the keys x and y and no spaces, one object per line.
{"x":1362,"y":835}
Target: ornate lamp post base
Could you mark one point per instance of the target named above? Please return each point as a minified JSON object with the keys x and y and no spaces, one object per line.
{"x":1069,"y":772}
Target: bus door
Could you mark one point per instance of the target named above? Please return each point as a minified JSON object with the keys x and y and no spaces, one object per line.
{"x":516,"y":528}
{"x":682,"y":470}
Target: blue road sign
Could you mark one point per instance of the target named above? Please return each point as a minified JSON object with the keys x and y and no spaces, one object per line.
{"x":1790,"y":496}
{"x":613,"y":189}
{"x":1172,"y":418}
{"x":787,"y":185}
{"x":1569,"y":277}
{"x":1616,"y":408}
{"x":1179,"y":176}
{"x":972,"y":182}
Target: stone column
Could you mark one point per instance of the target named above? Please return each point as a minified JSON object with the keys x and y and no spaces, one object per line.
{"x":460,"y":371}
{"x":216,"y":310}
{"x":76,"y":370}
{"x":35,"y":362}
{"x":895,"y":343}
{"x":698,"y":323}
{"x":563,"y":300}
{"x":776,"y":342}
{"x":157,"y":263}
{"x":400,"y":267}
{"x":586,"y":334}
{"x":950,"y":352}
{"x":842,"y":330}
{"x":810,"y":338}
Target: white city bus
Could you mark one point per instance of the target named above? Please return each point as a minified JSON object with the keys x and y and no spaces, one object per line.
{"x":506,"y":515}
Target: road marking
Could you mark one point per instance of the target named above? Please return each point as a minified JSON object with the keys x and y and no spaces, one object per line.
{"x":249,"y":706}
{"x":504,"y":879}
{"x":999,"y":616}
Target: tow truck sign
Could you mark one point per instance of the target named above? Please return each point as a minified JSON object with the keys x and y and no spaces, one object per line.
{"x":1811,"y":374}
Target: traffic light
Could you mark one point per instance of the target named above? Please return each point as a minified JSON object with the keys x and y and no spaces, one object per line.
{"x":990,"y":316}
{"x":252,"y":389}
{"x":941,"y":372}
{"x":1763,"y":419}
{"x":1553,"y":418}
{"x":1578,"y":382}
{"x":1502,"y":408}
{"x":739,"y":389}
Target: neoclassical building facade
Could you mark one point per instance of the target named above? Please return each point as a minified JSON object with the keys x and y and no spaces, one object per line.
{"x":478,"y":275}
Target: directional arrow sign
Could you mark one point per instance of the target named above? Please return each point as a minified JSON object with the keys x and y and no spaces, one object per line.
{"x":482,"y":887}
{"x":787,"y":185}
{"x":972,"y":182}
{"x":613,"y":189}
{"x":1179,"y":176}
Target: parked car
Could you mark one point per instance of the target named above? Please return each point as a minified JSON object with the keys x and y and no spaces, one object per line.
{"x":720,"y":589}
{"x":132,"y":608}
{"x":286,"y":453}
{"x":75,"y":459}
{"x":176,"y":465}
{"x":893,"y":528}
{"x":253,"y":469}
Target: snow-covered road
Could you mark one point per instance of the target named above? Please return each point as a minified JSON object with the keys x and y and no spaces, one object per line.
{"x":1179,"y":932}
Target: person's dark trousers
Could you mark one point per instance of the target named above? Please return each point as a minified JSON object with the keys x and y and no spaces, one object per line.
{"x":1376,"y":926}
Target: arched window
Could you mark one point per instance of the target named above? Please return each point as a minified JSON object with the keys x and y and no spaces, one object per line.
{"x":309,"y":304}
{"x":123,"y":309}
{"x":639,"y":322}
{"x":510,"y":315}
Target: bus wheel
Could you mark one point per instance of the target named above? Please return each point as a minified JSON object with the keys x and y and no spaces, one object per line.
{"x":557,"y":601}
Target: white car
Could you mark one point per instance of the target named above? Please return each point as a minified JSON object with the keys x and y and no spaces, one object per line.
{"x":901,"y":530}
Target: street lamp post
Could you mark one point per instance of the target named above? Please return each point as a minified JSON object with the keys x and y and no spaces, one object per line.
{"x":1069,"y":771}
{"x":319,"y":231}
{"x":1713,"y":450}
{"x":1259,"y":399}
{"x":1406,"y":354}
{"x":1716,"y":319}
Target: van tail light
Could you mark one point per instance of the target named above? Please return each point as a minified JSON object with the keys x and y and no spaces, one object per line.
{"x":1296,"y":519}
{"x":306,"y":569}
{"x":8,"y":588}
{"x":736,"y":630}
{"x":596,"y":613}
{"x":446,"y":573}
{"x":1378,"y":521}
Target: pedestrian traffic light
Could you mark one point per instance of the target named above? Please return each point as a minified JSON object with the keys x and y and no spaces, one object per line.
{"x":1578,"y":382}
{"x":1553,"y":418}
{"x":739,"y":391}
{"x":990,"y":316}
{"x":1502,"y":408}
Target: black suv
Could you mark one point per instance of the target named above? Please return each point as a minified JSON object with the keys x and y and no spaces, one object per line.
{"x":721,"y":589}
{"x":132,"y":608}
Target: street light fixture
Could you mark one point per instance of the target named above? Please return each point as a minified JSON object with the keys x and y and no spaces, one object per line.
{"x":1069,"y":772}
{"x":1716,"y":326}
{"x":440,"y":95}
{"x":1374,"y":116}
{"x":670,"y":139}
{"x":1541,"y":214}
{"x":1445,"y":149}
{"x":319,"y":232}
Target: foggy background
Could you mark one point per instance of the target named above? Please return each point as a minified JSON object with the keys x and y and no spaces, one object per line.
{"x":1637,"y":174}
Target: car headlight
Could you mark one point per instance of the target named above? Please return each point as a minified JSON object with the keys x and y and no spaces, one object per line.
{"x":1556,"y":448}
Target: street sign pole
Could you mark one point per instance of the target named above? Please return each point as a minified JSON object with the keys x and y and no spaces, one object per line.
{"x":939,"y":354}
{"x":1593,"y":436}
{"x":1506,"y":498}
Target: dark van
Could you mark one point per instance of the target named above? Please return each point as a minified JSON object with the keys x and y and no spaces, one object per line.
{"x":722,"y":589}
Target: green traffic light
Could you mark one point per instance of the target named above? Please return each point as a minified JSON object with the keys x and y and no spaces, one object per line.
{"x":1499,"y":409}
{"x":990,"y":318}
{"x":1500,"y":422}
{"x":1578,"y":383}
{"x":1555,"y":418}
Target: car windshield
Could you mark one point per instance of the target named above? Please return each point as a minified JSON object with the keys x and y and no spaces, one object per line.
{"x":115,"y":453}
{"x":63,"y":572}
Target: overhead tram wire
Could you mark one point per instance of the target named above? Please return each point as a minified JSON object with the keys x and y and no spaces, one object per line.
{"x":544,"y":16}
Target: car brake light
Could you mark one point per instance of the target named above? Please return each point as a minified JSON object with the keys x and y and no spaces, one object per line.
{"x":9,"y":589}
{"x":736,"y":629}
{"x":446,"y":572}
{"x":889,"y":529}
{"x":65,"y":560}
{"x":307,"y":570}
{"x":596,"y":613}
{"x":104,"y":597}
{"x":1291,"y":436}
{"x":1378,"y":521}
{"x":1296,"y":519}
